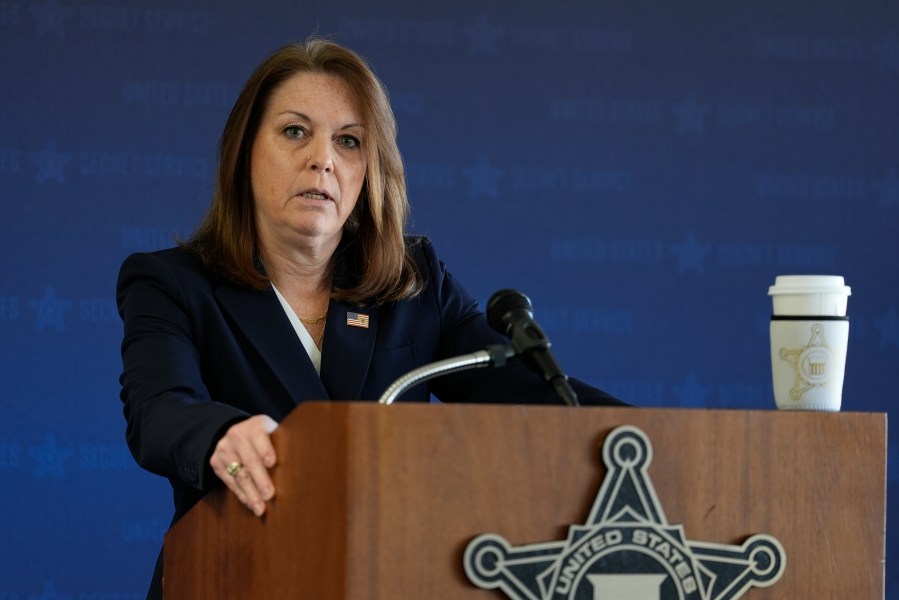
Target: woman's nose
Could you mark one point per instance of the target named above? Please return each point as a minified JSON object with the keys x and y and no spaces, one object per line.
{"x":320,"y":157}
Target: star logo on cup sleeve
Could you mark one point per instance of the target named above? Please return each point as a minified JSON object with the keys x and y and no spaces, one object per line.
{"x":811,"y":363}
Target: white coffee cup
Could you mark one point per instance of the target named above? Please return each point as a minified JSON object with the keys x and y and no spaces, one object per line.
{"x":809,"y":337}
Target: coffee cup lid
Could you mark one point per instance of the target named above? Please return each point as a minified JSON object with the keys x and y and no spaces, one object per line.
{"x":809,"y":284}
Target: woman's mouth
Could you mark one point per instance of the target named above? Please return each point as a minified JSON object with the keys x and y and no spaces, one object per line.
{"x":315,"y":196}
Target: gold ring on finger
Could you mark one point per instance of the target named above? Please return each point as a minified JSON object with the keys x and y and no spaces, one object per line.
{"x":234,"y":468}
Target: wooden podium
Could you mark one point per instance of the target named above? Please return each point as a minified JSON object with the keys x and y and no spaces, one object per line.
{"x":380,"y":502}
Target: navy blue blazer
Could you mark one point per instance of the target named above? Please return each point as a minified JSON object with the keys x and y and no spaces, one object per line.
{"x":201,"y":353}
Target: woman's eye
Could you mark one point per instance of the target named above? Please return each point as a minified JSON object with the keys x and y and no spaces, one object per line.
{"x":294,"y":131}
{"x":348,"y":141}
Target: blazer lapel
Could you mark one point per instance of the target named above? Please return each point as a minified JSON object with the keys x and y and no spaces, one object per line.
{"x":347,"y":350}
{"x":261,"y":318}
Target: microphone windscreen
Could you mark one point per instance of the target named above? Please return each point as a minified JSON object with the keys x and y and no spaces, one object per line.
{"x":502,"y":305}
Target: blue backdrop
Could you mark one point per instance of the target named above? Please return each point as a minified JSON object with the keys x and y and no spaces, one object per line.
{"x":642,"y":169}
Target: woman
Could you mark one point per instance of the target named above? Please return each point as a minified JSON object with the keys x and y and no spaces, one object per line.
{"x":298,"y":285}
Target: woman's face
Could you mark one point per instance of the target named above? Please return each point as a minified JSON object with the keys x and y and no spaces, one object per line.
{"x":307,"y":163}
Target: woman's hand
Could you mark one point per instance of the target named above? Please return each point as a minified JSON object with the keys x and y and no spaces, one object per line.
{"x":242,"y":459}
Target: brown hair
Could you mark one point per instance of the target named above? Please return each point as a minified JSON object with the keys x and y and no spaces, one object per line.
{"x":225,"y":242}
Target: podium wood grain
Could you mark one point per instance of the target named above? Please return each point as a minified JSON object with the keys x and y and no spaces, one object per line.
{"x":379,"y":502}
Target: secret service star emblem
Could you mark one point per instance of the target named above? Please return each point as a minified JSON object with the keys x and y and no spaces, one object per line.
{"x":626,"y":550}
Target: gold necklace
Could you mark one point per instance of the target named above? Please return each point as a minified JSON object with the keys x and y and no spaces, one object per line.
{"x":321,"y":338}
{"x":315,"y":320}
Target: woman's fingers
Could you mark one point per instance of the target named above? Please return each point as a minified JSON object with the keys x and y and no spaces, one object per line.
{"x":242,"y":459}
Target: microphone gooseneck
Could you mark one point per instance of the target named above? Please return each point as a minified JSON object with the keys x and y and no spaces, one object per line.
{"x":492,"y":356}
{"x":510,"y":313}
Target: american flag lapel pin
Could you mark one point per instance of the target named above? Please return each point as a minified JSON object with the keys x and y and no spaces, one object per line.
{"x":355,"y":319}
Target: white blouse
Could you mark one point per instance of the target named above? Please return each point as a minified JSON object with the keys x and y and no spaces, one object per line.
{"x":312,"y":350}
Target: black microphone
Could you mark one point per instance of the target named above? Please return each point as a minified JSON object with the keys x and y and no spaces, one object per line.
{"x":510,"y":312}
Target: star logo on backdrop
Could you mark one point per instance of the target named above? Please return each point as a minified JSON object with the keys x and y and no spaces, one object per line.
{"x":483,"y":179}
{"x":691,"y":254}
{"x":690,"y":116}
{"x":49,"y":457}
{"x":50,"y":17}
{"x":889,"y":329}
{"x":691,"y":392}
{"x":483,"y":37}
{"x":49,"y":593}
{"x":50,"y":310}
{"x":50,"y":163}
{"x":888,"y":189}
